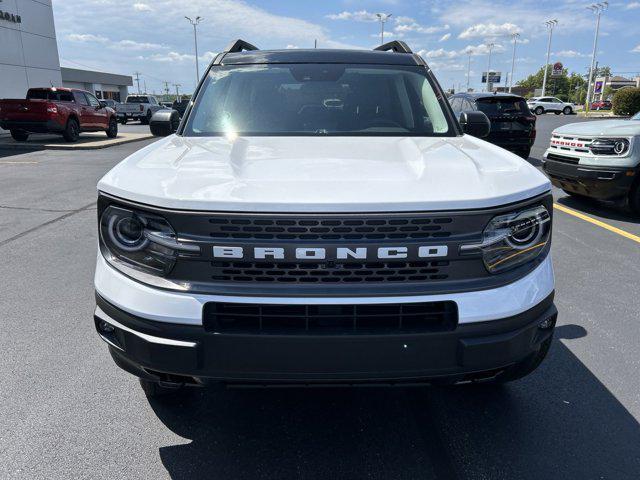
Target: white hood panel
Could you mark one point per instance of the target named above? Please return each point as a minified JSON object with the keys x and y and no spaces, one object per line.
{"x":323,"y":174}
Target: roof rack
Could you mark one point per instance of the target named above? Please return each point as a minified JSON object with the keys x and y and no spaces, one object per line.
{"x":239,"y":46}
{"x":396,"y":46}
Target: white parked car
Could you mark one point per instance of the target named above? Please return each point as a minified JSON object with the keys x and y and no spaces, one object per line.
{"x":599,"y":159}
{"x":321,"y":217}
{"x":540,"y":105}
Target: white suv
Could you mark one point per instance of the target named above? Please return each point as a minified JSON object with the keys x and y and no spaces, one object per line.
{"x":540,"y":105}
{"x":320,"y":217}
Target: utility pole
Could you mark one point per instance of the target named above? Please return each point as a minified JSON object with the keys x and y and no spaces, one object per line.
{"x":195,"y":23}
{"x":383,"y":17}
{"x":468,"y":71}
{"x":596,"y":8}
{"x":145,"y":86}
{"x":550,"y":26}
{"x":177,"y":85}
{"x":166,"y":88}
{"x":137,"y":74}
{"x":513,"y":58}
{"x":490,"y":46}
{"x":315,"y":43}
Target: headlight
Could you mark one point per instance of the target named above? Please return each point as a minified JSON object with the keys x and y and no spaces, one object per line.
{"x":513,"y":239}
{"x":609,"y":146}
{"x":137,"y":240}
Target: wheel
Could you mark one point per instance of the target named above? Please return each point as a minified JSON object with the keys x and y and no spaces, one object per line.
{"x":19,"y":135}
{"x":112,"y":131}
{"x":156,"y":390}
{"x":146,"y":119}
{"x":567,"y":111}
{"x":526,"y":366}
{"x":72,"y":131}
{"x":538,"y":111}
{"x":525,"y":153}
{"x":634,"y":198}
{"x":123,"y":120}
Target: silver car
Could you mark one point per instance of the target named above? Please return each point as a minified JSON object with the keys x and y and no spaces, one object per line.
{"x":540,"y":105}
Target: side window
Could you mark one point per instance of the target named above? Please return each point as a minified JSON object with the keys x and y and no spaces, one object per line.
{"x":455,"y":104}
{"x":153,"y":101}
{"x":556,"y":100}
{"x":546,"y":100}
{"x":66,"y":97}
{"x":467,"y":105}
{"x":93,"y":101}
{"x":80,"y":98}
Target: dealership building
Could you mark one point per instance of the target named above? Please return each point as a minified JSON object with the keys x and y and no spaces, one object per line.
{"x":29,"y":55}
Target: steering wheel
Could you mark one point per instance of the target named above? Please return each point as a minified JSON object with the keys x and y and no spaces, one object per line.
{"x":383,"y":122}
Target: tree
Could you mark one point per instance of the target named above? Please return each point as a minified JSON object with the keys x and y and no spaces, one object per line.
{"x":558,"y":86}
{"x":626,"y":101}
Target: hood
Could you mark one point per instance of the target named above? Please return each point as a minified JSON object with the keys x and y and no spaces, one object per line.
{"x":601,"y":127}
{"x":321,"y":174}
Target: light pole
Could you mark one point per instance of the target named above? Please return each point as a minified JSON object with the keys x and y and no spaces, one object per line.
{"x":550,"y":26}
{"x":513,"y":58}
{"x":596,"y":8}
{"x":490,"y":46}
{"x":383,"y":17}
{"x":468,"y":71}
{"x":195,"y":23}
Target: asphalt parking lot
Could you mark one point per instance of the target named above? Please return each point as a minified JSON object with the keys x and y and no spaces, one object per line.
{"x":66,"y":411}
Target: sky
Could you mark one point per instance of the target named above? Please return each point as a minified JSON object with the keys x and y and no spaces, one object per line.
{"x":152,"y":37}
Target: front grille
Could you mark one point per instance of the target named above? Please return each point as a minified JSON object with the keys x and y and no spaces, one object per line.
{"x":562,"y":158}
{"x":302,"y":272}
{"x":334,"y":228}
{"x":222,"y":317}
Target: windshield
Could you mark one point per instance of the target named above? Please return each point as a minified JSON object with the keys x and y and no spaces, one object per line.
{"x":51,"y":95}
{"x":499,"y":106}
{"x":636,"y":116}
{"x":317,"y":99}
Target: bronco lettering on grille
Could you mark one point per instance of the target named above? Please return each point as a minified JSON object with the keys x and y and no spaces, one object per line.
{"x":320,"y":253}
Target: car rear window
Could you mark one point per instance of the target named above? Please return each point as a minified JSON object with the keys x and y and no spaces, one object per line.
{"x":51,"y":95}
{"x":500,"y":106}
{"x":137,"y":100}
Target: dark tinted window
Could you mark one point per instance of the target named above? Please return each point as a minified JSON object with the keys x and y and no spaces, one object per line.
{"x":500,"y":105}
{"x":80,"y":98}
{"x":51,"y":95}
{"x":137,"y":99}
{"x":317,"y":99}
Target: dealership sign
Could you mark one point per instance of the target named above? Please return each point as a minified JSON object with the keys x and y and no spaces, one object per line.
{"x":494,"y":77}
{"x":557,"y":69}
{"x":10,"y":17}
{"x":598,"y":87}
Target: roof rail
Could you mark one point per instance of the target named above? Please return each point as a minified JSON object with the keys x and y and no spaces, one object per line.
{"x":397,"y":46}
{"x":239,"y":46}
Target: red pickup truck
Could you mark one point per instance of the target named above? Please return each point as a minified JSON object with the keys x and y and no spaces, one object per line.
{"x":66,"y":111}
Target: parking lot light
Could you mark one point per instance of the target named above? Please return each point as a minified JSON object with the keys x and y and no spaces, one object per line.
{"x":551,"y":24}
{"x":194,"y":23}
{"x":515,"y":36}
{"x":596,"y":8}
{"x":383,"y":17}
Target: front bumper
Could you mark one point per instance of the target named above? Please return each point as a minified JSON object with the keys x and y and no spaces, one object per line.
{"x":604,"y":183}
{"x":187,"y":354}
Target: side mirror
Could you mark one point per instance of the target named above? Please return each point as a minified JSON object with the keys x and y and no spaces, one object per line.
{"x":475,"y":123}
{"x":164,"y":122}
{"x":100,"y":105}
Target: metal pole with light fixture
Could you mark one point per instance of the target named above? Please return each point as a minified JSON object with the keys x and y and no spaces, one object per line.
{"x":468,"y":71}
{"x":490,"y":46}
{"x":550,"y":26}
{"x":195,"y":23}
{"x":383,"y":17}
{"x":596,"y":8}
{"x":513,"y":58}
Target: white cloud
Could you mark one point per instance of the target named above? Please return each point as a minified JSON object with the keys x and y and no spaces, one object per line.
{"x":132,"y":45}
{"x":570,"y":54}
{"x":359,"y":16}
{"x":439,"y":53}
{"x":632,"y":6}
{"x":481,"y":49}
{"x":445,"y":37}
{"x":142,"y":7}
{"x":413,"y":26}
{"x":488,"y":30}
{"x":87,"y":37}
{"x":473,"y":50}
{"x":636,"y":50}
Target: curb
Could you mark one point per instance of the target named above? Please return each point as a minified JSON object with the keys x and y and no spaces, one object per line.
{"x":71,"y":147}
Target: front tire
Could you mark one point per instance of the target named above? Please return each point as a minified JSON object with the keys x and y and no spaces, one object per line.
{"x":567,"y":111}
{"x":112,"y":130}
{"x":146,"y":119}
{"x":538,"y":111}
{"x":19,"y":135}
{"x":634,"y":199}
{"x":72,"y":130}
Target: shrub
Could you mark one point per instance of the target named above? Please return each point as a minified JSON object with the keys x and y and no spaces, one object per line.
{"x":626,"y":101}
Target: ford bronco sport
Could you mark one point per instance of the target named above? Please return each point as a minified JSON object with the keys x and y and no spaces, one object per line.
{"x":321,"y":217}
